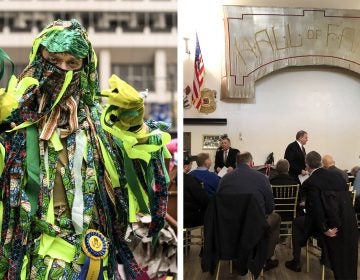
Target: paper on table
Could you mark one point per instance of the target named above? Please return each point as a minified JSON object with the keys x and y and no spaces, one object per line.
{"x":222,"y":172}
{"x":302,"y":178}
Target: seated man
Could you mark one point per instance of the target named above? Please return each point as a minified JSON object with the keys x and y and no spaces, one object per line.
{"x":202,"y":173}
{"x":244,"y":179}
{"x":225,"y":156}
{"x":327,"y":196}
{"x":329,"y":163}
{"x":282,"y":176}
{"x":195,"y":197}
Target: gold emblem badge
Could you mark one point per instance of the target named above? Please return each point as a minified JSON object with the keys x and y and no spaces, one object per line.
{"x":208,"y":104}
{"x":95,"y":244}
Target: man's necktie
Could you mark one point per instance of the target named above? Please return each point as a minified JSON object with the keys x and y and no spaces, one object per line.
{"x":303,"y":149}
{"x":225,"y":155}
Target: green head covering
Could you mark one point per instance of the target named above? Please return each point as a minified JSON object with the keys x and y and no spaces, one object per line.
{"x":70,"y":36}
{"x":70,"y":41}
{"x":63,"y":36}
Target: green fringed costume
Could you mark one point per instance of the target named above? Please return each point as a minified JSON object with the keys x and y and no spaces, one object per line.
{"x":74,"y":175}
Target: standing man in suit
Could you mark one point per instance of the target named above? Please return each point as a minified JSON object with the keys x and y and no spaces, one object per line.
{"x":330,"y":217}
{"x":226,"y":156}
{"x":244,"y":179}
{"x":295,"y":154}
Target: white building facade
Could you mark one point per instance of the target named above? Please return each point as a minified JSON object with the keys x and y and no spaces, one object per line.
{"x":134,"y":39}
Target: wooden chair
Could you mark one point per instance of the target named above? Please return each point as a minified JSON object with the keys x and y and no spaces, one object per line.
{"x":357,"y":214}
{"x":285,"y":197}
{"x":218,"y":269}
{"x":358,"y":220}
{"x":317,"y":252}
{"x":193,"y":236}
{"x":230,"y":265}
{"x":353,"y":196}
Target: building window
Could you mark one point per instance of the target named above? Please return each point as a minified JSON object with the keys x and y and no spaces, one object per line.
{"x":140,"y":76}
{"x":171,"y":77}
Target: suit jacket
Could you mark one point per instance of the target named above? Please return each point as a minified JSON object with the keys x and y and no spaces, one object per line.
{"x":195,"y":202}
{"x":282,"y":179}
{"x":320,"y":180}
{"x":296,"y":158}
{"x":328,"y":205}
{"x":235,"y":228}
{"x":246,"y":180}
{"x":342,"y":172}
{"x":230,"y":160}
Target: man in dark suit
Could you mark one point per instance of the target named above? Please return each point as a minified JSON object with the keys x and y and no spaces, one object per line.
{"x":244,"y":179}
{"x":330,"y":217}
{"x":281,"y":175}
{"x":280,"y":178}
{"x":226,"y":156}
{"x":295,"y":154}
{"x":329,"y":163}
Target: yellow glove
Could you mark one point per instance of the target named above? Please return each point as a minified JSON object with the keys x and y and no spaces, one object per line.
{"x":8,"y":100}
{"x":129,"y":104}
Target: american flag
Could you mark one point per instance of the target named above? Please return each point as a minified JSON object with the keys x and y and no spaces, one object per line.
{"x":198,"y":76}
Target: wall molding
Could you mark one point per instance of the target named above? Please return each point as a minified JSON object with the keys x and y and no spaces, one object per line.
{"x":205,"y":121}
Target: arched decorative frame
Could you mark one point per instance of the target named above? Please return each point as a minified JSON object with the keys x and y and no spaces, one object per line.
{"x":261,"y":40}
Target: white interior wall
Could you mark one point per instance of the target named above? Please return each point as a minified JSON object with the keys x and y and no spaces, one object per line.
{"x":323,"y":101}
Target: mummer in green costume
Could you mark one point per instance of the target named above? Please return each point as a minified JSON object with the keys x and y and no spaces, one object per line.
{"x":75,"y":175}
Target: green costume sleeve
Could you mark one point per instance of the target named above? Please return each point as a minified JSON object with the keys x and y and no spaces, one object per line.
{"x":2,"y":158}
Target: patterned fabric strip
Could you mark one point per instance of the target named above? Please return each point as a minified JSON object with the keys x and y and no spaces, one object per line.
{"x":50,"y":124}
{"x":33,"y":167}
{"x":78,"y":205}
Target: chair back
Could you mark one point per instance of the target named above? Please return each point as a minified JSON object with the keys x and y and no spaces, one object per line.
{"x":353,"y":196}
{"x":285,"y":198}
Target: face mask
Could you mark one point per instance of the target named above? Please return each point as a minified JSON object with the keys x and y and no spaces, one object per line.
{"x":51,"y":83}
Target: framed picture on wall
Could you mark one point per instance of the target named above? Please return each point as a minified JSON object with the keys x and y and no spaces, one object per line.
{"x":211,"y":142}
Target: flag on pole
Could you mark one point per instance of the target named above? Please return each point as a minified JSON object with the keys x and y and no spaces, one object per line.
{"x":198,"y":76}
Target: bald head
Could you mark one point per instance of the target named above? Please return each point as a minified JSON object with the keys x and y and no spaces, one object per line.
{"x":328,"y":161}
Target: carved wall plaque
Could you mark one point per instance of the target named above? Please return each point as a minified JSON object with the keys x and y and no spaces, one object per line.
{"x":262,"y":40}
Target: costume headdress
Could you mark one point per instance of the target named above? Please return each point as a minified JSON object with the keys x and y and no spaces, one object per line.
{"x":71,"y":37}
{"x":55,"y":93}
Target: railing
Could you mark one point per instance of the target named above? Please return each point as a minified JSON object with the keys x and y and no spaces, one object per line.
{"x":88,"y":5}
{"x":120,"y":22}
{"x":174,"y":1}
